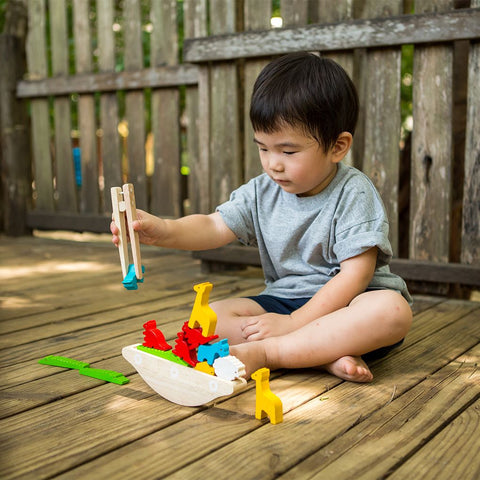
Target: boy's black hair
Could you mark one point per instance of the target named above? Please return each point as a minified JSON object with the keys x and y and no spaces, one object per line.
{"x":308,"y":92}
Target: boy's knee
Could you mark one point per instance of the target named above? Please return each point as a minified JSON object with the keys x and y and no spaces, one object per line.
{"x":399,"y":313}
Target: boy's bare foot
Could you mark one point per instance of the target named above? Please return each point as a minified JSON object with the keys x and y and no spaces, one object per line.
{"x":252,"y":355}
{"x":350,"y":368}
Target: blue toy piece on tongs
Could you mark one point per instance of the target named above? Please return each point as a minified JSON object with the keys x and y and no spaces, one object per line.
{"x":125,"y":213}
{"x":130,"y":282}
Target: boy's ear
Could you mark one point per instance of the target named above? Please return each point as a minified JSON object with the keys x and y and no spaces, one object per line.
{"x":342,"y":146}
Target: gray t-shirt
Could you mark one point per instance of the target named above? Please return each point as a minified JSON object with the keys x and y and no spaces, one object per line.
{"x":303,"y":240}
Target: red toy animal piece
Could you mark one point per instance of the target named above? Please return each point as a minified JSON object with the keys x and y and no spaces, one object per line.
{"x":153,"y":337}
{"x":194,"y":337}
{"x":184,"y":350}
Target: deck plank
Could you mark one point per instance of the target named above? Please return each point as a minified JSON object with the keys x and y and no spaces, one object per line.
{"x":450,"y":454}
{"x":422,"y":408}
{"x":377,"y":445}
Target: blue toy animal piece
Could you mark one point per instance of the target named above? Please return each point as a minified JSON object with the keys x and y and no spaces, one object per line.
{"x":211,"y":351}
{"x":130,"y":282}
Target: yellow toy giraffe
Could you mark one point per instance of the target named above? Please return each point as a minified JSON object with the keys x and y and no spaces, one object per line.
{"x":267,"y":403}
{"x":202,"y":315}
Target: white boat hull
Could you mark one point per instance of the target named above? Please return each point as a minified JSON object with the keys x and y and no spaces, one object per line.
{"x":177,"y":383}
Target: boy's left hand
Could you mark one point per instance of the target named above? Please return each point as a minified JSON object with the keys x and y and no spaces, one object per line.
{"x":266,"y":325}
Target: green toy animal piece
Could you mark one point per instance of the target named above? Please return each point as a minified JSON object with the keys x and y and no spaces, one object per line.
{"x":84,"y":369}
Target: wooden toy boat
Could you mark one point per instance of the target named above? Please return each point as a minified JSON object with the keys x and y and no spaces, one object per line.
{"x":178,"y":383}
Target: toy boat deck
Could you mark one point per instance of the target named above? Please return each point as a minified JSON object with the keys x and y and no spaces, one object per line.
{"x":177,"y":383}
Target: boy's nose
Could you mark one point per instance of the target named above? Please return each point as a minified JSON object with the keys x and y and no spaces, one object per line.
{"x":276,"y":164}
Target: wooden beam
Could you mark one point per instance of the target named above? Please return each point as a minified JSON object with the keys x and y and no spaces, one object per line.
{"x":407,"y":269}
{"x":165,"y":76}
{"x":379,"y":32}
{"x":67,"y":221}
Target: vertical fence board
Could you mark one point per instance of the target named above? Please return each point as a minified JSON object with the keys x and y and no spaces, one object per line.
{"x":195,"y":25}
{"x":326,"y":11}
{"x":166,"y":187}
{"x":431,"y":152}
{"x":15,"y":163}
{"x":135,"y":103}
{"x":110,"y":152}
{"x":294,"y":12}
{"x":37,"y":68}
{"x":225,"y":126}
{"x":471,"y":190}
{"x":89,"y":193}
{"x":383,"y":118}
{"x":65,"y":177}
{"x":257,"y":17}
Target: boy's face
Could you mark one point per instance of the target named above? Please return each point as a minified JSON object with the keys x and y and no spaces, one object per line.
{"x":296,"y":162}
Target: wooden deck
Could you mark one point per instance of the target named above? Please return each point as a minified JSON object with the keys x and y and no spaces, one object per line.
{"x":420,"y":417}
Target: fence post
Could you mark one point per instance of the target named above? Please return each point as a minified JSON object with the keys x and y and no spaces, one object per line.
{"x":14,"y":140}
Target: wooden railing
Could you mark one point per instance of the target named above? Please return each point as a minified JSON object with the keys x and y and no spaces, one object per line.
{"x":199,"y":112}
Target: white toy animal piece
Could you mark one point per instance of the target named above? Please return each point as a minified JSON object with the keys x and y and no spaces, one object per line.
{"x":229,"y":368}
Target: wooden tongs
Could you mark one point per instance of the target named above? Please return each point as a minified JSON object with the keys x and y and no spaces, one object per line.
{"x":123,"y":204}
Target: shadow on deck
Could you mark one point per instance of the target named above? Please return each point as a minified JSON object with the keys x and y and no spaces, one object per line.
{"x":418,"y":419}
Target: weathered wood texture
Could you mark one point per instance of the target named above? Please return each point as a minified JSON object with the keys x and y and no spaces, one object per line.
{"x":471,"y":191}
{"x":419,"y":416}
{"x":89,"y":194}
{"x":14,"y":141}
{"x":227,"y":43}
{"x":166,"y":191}
{"x":63,"y":158}
{"x":109,"y":118}
{"x":381,"y":32}
{"x":37,"y":68}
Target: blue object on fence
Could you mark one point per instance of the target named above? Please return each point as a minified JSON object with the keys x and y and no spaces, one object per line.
{"x":130,"y":280}
{"x":77,"y":165}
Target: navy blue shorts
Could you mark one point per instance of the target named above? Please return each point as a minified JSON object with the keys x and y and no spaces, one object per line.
{"x":286,"y":306}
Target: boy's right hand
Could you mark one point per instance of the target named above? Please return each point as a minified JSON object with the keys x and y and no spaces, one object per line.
{"x":149,"y":228}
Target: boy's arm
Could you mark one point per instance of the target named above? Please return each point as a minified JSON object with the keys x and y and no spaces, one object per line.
{"x":354,"y":276}
{"x":193,"y":232}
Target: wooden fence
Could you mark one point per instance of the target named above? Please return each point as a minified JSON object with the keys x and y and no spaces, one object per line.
{"x":199,"y":110}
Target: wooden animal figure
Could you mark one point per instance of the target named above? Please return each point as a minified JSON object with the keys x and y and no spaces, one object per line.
{"x":202,"y":315}
{"x":184,"y":351}
{"x":210,"y":351}
{"x":153,"y":337}
{"x":267,"y":403}
{"x":194,"y":337}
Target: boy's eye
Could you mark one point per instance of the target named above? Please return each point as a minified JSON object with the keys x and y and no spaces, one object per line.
{"x":289,"y":153}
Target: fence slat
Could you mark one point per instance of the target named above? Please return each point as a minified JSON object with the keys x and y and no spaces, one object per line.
{"x":294,"y":12}
{"x":431,"y":152}
{"x":257,"y":17}
{"x":195,"y":25}
{"x":382,"y":80}
{"x":329,"y":12}
{"x":37,"y":68}
{"x":224,"y":139}
{"x":110,"y":152}
{"x":89,"y":193}
{"x":156,"y":77}
{"x":471,"y":191}
{"x":166,"y":188}
{"x":135,"y":103}
{"x":16,"y":178}
{"x":65,"y":177}
{"x":382,"y":32}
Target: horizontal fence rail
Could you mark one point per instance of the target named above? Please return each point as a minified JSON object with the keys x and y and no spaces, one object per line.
{"x":381,"y":32}
{"x":158,"y":77}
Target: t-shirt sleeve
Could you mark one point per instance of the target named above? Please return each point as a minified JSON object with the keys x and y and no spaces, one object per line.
{"x":237,"y":213}
{"x":361,"y":223}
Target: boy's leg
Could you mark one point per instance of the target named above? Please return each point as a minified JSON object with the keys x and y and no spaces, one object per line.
{"x":373,"y":320}
{"x":230,"y":314}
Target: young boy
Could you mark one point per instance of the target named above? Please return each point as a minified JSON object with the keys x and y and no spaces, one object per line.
{"x":320,"y":227}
